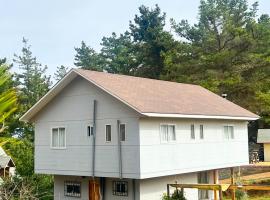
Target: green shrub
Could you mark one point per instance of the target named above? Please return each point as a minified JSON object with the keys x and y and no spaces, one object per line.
{"x":241,"y":195}
{"x":177,"y":195}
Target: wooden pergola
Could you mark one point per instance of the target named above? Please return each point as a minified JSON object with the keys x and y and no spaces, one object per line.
{"x":219,"y":188}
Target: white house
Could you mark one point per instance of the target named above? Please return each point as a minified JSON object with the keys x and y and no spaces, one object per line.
{"x":115,"y":137}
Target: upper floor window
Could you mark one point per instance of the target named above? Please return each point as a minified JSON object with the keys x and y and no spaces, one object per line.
{"x":108,"y":133}
{"x":122,"y":129}
{"x":192,"y":131}
{"x":167,"y":133}
{"x":228,"y":132}
{"x":201,"y":132}
{"x":90,"y":131}
{"x":58,"y":138}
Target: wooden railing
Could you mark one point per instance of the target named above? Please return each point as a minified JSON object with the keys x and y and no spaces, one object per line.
{"x":218,"y":187}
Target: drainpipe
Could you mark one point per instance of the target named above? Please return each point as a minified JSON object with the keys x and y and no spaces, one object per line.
{"x":94,"y":138}
{"x":119,"y":149}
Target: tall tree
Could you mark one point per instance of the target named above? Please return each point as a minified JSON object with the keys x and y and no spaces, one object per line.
{"x":118,"y":54}
{"x":33,"y":83}
{"x":150,"y":40}
{"x":219,"y":52}
{"x":87,"y":58}
{"x":60,"y":72}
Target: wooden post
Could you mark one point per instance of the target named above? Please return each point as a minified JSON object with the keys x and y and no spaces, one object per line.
{"x":215,"y":175}
{"x":168,"y":190}
{"x":220,"y":193}
{"x":232,"y":183}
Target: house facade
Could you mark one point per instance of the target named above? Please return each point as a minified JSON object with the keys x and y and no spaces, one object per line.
{"x":117,"y":137}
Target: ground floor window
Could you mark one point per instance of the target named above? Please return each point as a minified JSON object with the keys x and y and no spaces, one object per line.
{"x":72,"y":189}
{"x":120,"y":188}
{"x":203,"y":177}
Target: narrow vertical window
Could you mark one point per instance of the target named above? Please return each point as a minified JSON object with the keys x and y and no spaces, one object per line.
{"x":192,"y":132}
{"x":122,"y":130}
{"x":164,"y":133}
{"x":108,"y":133}
{"x":201,"y":132}
{"x":171,"y":133}
{"x":55,"y":137}
{"x":90,"y":131}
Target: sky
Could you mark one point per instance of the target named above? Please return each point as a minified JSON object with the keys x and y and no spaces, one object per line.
{"x":55,"y":27}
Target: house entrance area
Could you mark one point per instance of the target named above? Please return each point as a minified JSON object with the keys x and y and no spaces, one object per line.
{"x":94,"y":190}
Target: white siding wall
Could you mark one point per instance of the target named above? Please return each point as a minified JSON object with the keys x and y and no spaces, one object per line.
{"x":73,"y":109}
{"x":186,"y":155}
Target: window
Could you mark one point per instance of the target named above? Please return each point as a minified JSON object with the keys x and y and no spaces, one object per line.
{"x":122,"y":129}
{"x":201,"y":132}
{"x":72,"y":189}
{"x":167,"y":133}
{"x":203,"y":178}
{"x":120,"y":188}
{"x":228,"y":132}
{"x":192,"y":131}
{"x":90,"y":131}
{"x":58,"y":138}
{"x":108,"y":133}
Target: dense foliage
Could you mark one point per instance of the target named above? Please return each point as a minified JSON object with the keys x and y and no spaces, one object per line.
{"x":226,"y":51}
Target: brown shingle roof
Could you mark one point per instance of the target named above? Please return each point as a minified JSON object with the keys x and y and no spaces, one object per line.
{"x":155,"y":96}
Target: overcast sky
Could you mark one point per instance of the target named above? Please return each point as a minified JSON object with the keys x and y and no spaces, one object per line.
{"x":55,"y":27}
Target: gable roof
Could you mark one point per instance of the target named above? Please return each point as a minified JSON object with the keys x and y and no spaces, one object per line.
{"x":6,"y":161}
{"x":153,"y":98}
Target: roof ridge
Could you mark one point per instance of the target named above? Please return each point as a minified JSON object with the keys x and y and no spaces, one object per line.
{"x":136,"y":77}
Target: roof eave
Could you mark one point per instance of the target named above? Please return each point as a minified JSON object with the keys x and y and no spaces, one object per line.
{"x":244,"y":118}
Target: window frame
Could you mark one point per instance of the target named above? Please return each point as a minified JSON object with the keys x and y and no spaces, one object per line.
{"x":107,"y":141}
{"x":72,"y":182}
{"x":120,"y":135}
{"x":229,"y":134}
{"x":58,"y":147}
{"x":160,"y":133}
{"x":114,"y":190}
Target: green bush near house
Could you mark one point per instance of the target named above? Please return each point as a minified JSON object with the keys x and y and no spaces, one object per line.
{"x":177,"y":195}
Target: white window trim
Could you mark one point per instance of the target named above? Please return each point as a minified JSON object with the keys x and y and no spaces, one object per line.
{"x":223,"y":131}
{"x":59,"y":148}
{"x":125,"y":132}
{"x":160,"y":136}
{"x":106,"y":133}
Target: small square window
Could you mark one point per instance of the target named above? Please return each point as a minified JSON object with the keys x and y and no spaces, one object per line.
{"x":72,"y":189}
{"x":108,"y":133}
{"x":122,"y":130}
{"x":120,"y":188}
{"x":167,"y":133}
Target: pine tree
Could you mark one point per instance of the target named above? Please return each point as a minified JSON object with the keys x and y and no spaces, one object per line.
{"x":60,"y":72}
